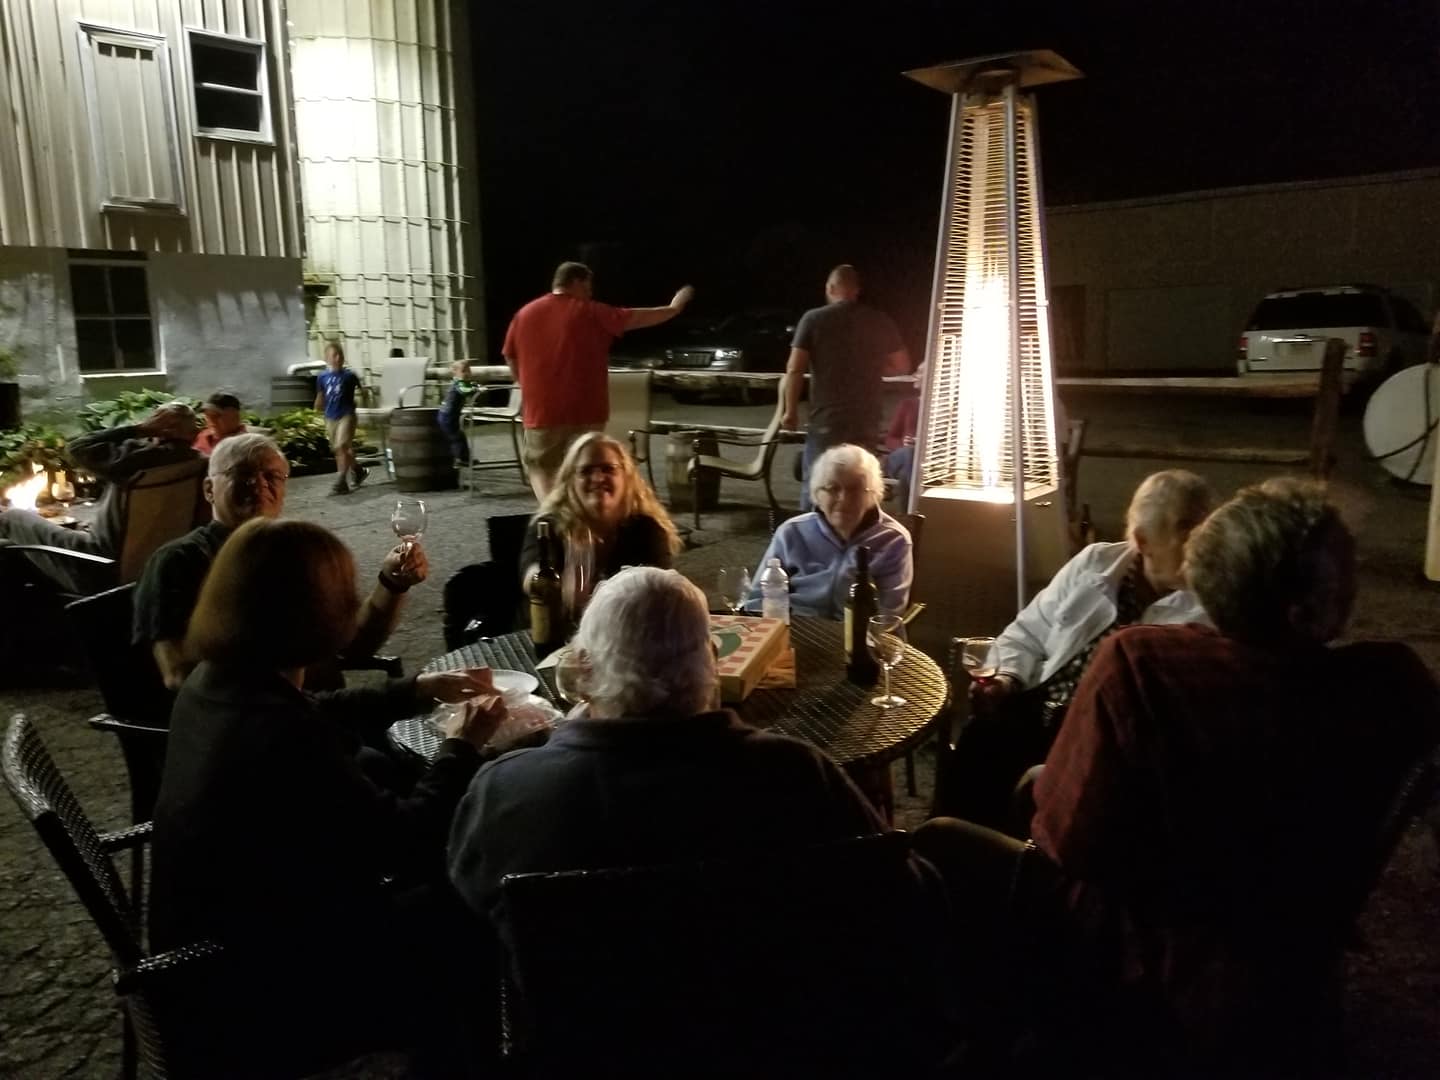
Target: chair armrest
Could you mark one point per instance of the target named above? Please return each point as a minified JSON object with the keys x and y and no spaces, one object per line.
{"x":390,"y":665}
{"x":125,"y":839}
{"x":116,"y":726}
{"x":170,"y":963}
{"x":48,"y":549}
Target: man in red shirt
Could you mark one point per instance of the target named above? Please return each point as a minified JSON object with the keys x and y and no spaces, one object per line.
{"x":558,"y":349}
{"x":222,"y":419}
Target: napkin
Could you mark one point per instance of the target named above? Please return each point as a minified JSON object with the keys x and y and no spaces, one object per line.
{"x":781,"y":674}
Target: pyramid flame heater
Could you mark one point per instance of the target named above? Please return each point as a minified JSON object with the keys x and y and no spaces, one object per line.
{"x":986,"y":468}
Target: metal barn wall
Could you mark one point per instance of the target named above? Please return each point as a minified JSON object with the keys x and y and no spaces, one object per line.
{"x":1168,"y":283}
{"x":239,"y":197}
{"x":385,"y":124}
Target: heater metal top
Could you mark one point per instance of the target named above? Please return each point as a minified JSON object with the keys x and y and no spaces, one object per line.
{"x":1031,"y":67}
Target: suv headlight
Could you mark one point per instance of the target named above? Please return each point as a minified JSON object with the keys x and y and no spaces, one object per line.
{"x":723,"y":355}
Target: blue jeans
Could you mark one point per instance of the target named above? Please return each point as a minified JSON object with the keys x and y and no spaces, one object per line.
{"x":898,"y":464}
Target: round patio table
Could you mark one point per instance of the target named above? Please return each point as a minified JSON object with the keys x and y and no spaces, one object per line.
{"x":824,"y":708}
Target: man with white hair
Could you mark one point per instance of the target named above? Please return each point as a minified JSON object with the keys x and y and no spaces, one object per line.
{"x":818,"y":549}
{"x":114,"y":455}
{"x":651,"y":772}
{"x":247,"y":479}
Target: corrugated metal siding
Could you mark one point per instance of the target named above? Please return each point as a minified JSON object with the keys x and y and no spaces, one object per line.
{"x":382,"y":111}
{"x":240,"y":197}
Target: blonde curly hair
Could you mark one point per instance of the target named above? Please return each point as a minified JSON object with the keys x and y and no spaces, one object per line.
{"x":565,"y":507}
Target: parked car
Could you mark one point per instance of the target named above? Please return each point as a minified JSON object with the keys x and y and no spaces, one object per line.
{"x":754,"y":340}
{"x":1288,"y":330}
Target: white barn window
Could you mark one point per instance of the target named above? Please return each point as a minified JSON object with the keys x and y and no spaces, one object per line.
{"x":130,"y":100}
{"x":230,"y":87}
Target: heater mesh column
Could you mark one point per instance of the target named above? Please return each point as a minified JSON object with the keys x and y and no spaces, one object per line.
{"x":968,"y":442}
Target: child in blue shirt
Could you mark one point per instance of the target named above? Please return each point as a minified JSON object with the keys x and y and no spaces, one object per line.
{"x":335,"y":396}
{"x":449,"y":417}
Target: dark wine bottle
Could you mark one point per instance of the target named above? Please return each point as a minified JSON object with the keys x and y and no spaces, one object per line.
{"x":862,"y":604}
{"x":547,"y":617}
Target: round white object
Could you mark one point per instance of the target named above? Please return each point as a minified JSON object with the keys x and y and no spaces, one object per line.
{"x":514,"y":686}
{"x":1395,"y":416}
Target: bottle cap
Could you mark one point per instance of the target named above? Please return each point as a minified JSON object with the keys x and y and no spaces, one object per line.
{"x":773,"y":562}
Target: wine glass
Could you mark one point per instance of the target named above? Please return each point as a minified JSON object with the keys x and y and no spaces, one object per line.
{"x":408,"y":520}
{"x":734,"y":586}
{"x":978,"y":658}
{"x":885,"y":635}
{"x":577,"y":580}
{"x":569,"y":678}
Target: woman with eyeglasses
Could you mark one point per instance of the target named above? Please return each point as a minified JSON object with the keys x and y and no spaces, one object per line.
{"x":818,"y":549}
{"x":602,"y":506}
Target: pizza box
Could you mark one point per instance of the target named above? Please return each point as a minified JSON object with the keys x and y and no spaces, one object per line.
{"x":745,"y":648}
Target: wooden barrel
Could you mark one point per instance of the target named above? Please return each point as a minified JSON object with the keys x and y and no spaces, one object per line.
{"x":289,"y":392}
{"x":420,"y":452}
{"x":679,"y":448}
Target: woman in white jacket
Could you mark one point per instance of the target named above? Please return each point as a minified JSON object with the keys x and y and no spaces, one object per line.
{"x":1042,"y":654}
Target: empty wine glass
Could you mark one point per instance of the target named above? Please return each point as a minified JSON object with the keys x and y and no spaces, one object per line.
{"x":734,"y":586}
{"x":577,"y":580}
{"x":569,"y":678}
{"x":885,"y":635}
{"x":409,"y":519}
{"x":978,"y":658}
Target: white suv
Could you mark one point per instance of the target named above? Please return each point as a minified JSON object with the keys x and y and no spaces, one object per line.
{"x":1287,"y":331}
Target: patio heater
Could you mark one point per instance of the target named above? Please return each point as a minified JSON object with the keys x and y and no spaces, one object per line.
{"x":986,"y":469}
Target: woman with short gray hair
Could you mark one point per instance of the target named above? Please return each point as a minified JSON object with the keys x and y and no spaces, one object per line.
{"x":1042,"y":654}
{"x":818,"y":549}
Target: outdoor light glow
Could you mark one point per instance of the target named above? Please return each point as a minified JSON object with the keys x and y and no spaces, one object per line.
{"x":984,"y":372}
{"x":24,"y":495}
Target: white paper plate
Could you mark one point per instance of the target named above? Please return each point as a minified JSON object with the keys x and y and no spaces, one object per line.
{"x":514,"y":686}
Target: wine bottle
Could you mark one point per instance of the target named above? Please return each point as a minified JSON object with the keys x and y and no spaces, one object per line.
{"x":861,"y":606}
{"x":547,"y":619}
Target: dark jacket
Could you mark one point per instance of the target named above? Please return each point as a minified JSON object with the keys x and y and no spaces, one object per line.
{"x":641,"y":791}
{"x":266,"y":829}
{"x":114,"y":455}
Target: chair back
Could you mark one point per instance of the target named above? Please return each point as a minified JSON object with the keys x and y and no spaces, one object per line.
{"x":430,"y":392}
{"x":629,"y":404}
{"x":161,"y":504}
{"x":51,"y":808}
{"x":398,"y":373}
{"x":483,"y":599}
{"x":803,"y":962}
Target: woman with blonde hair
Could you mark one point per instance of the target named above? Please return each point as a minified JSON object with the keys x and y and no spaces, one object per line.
{"x":268,"y":837}
{"x":601,"y":504}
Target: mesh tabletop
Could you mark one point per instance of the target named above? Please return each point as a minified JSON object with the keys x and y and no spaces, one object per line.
{"x":824,"y":708}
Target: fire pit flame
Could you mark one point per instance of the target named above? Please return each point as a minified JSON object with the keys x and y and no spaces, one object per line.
{"x":24,"y":495}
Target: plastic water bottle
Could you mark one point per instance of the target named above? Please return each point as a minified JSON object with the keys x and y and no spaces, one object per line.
{"x":775,"y":592}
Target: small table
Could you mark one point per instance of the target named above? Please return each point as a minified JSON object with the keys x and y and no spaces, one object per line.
{"x":824,"y":709}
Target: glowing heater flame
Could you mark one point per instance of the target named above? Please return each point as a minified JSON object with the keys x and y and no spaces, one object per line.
{"x":984,"y":374}
{"x":23,"y":496}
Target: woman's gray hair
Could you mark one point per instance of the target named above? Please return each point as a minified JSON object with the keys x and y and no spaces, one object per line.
{"x":1266,"y":551}
{"x":1168,"y":505}
{"x":246,"y":448}
{"x":646,"y":640}
{"x":847,"y":457}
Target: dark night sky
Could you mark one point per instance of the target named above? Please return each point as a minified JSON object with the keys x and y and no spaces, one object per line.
{"x":747,"y":146}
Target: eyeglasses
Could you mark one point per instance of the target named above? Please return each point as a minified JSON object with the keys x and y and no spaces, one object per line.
{"x":833,"y":490}
{"x":273,"y":477}
{"x":607,"y":468}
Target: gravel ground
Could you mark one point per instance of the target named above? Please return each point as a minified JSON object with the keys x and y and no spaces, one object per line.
{"x":56,"y":1009}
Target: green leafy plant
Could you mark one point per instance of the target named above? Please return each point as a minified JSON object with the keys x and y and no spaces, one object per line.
{"x":300,"y":434}
{"x":129,"y":407}
{"x":9,"y":364}
{"x":27,"y":446}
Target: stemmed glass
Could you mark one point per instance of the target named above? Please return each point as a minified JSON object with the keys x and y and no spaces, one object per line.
{"x":734,"y":586}
{"x":577,"y":580}
{"x":408,"y":520}
{"x":885,"y":635}
{"x":977,"y":657}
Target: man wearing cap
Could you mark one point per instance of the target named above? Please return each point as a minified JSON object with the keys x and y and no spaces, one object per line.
{"x":222,"y":419}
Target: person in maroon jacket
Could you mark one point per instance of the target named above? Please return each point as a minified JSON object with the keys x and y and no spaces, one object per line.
{"x":1207,"y":821}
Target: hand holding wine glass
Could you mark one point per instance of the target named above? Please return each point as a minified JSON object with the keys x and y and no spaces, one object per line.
{"x":734,"y":586}
{"x":885,"y":635}
{"x":979,"y":660}
{"x":409,"y":519}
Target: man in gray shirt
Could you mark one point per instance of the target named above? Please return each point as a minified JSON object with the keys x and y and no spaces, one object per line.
{"x":848,"y":348}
